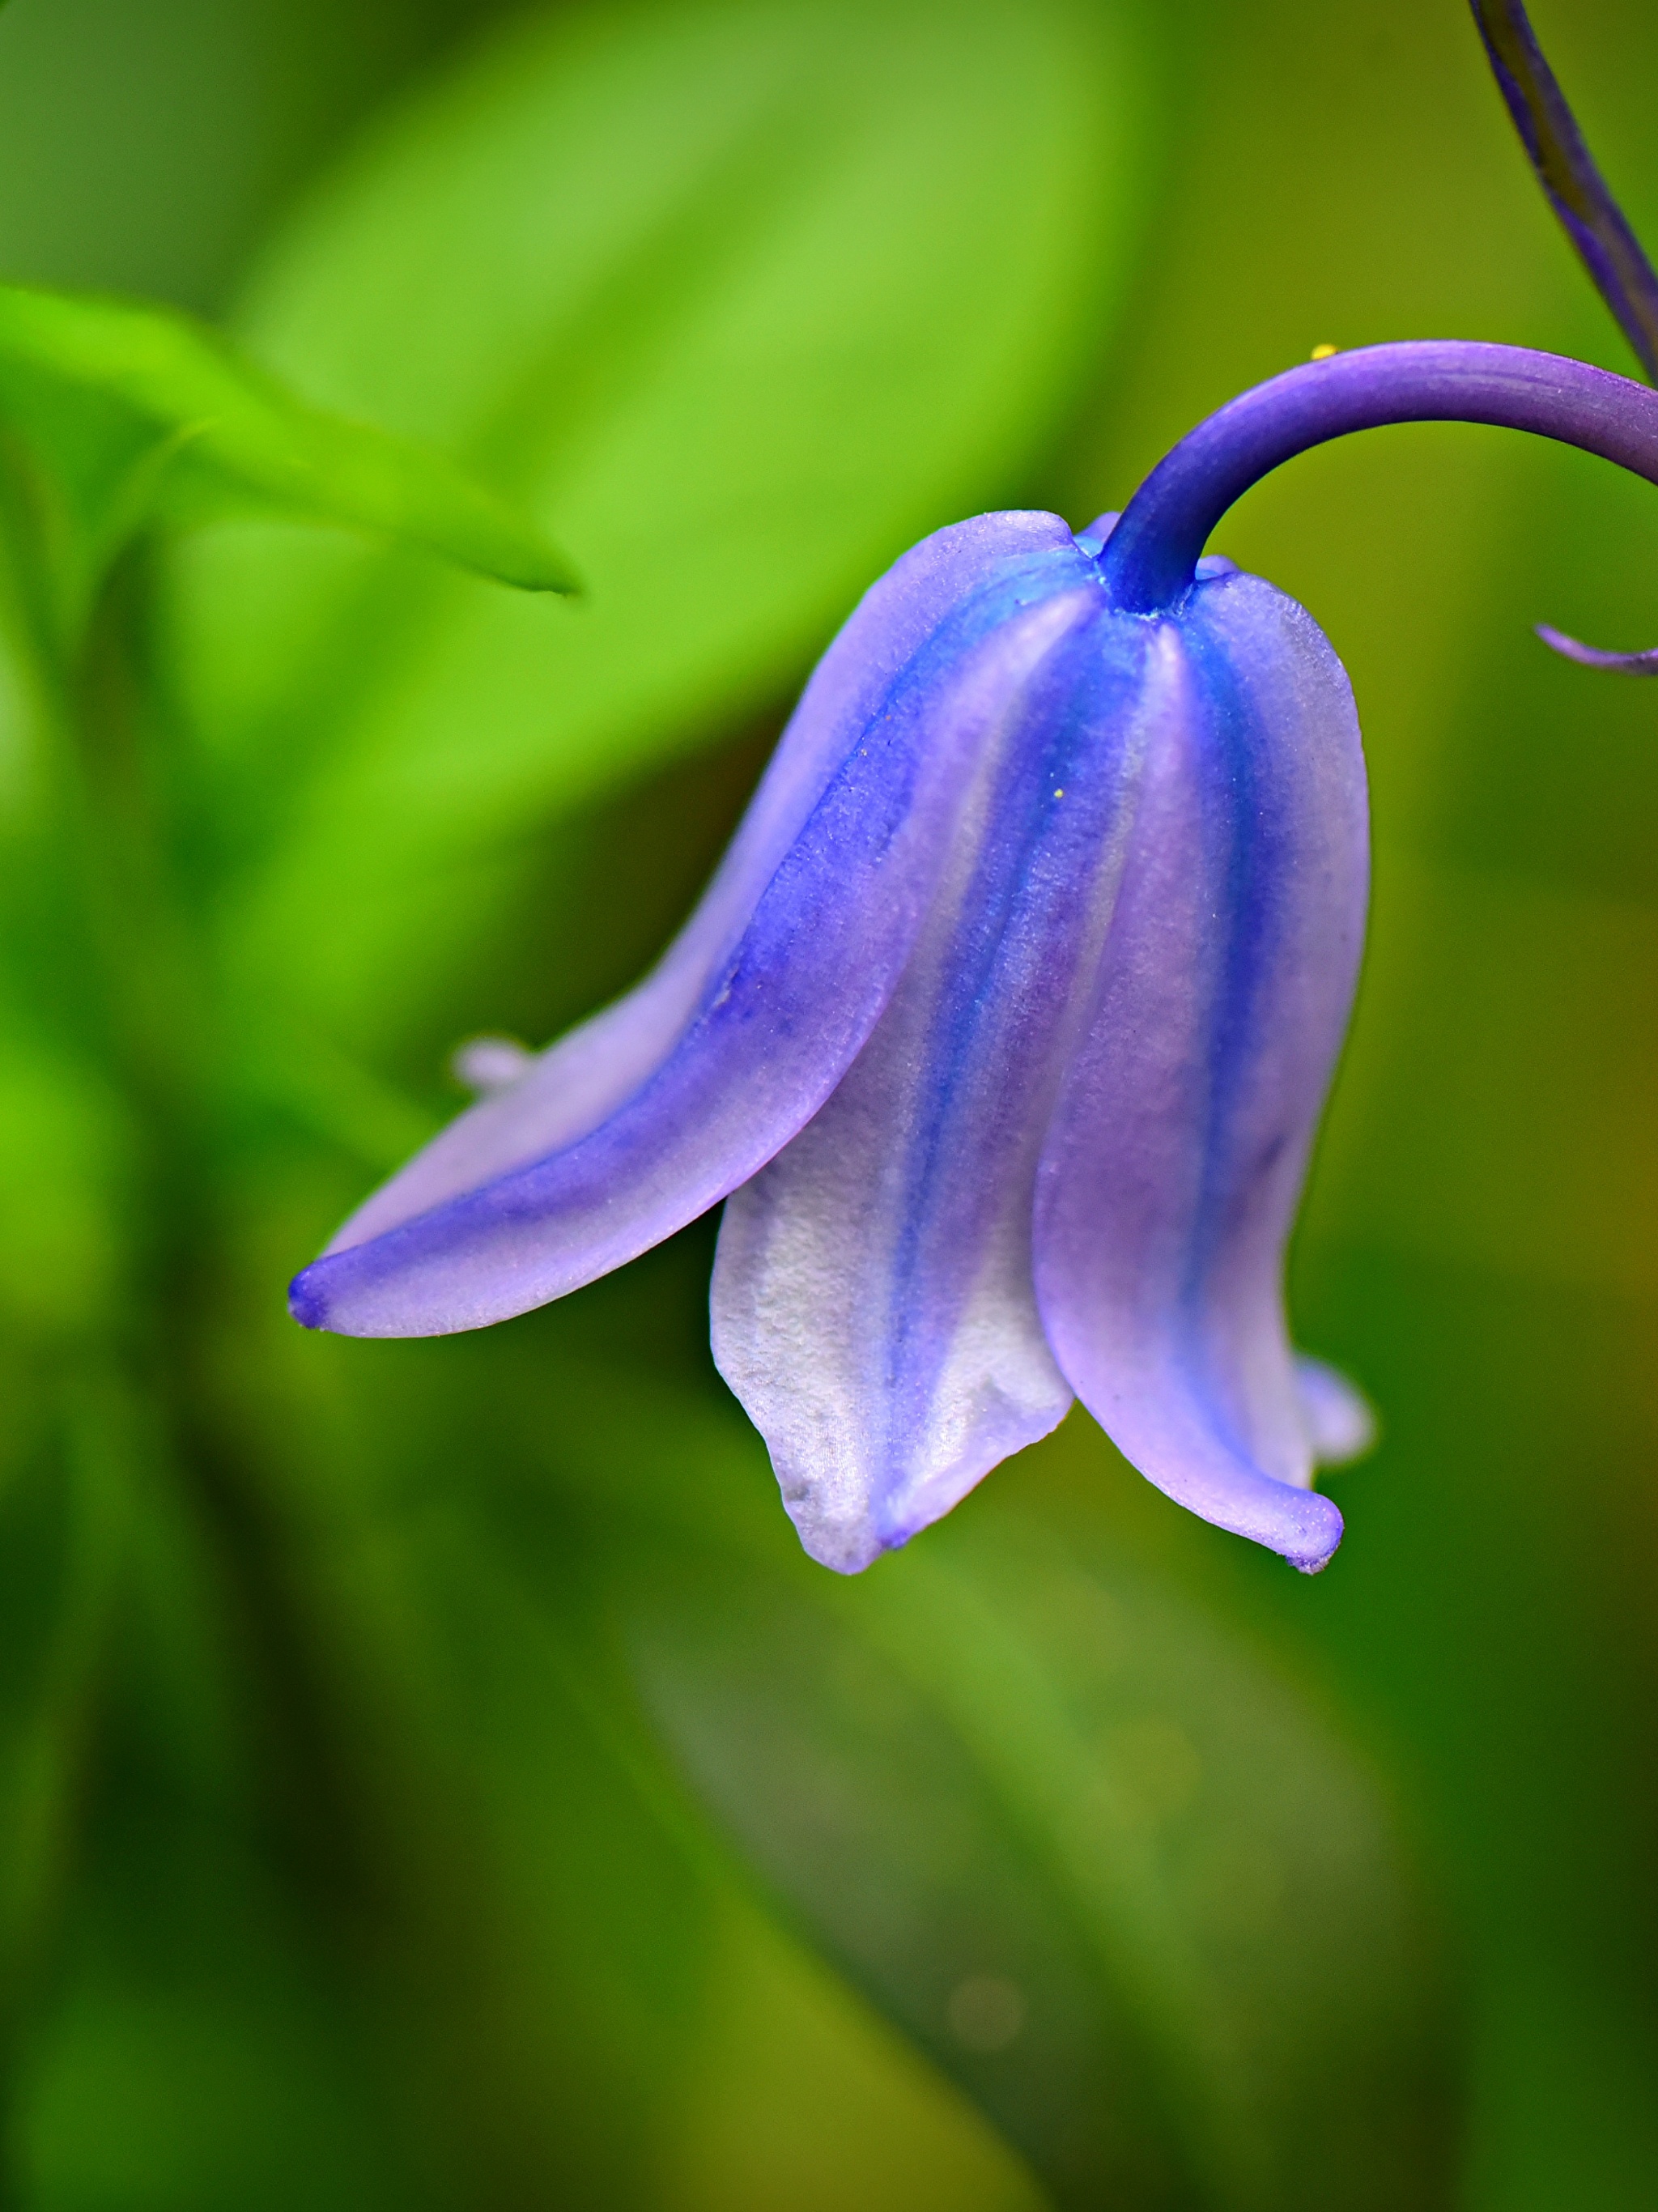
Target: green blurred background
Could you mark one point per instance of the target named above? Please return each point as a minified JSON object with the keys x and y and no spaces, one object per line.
{"x":428,"y":1774}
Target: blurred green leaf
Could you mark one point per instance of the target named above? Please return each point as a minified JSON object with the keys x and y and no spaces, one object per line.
{"x":1142,"y":1905}
{"x":198,"y":2053}
{"x":66,"y":1162}
{"x":749,"y":296}
{"x":65,"y":1461}
{"x":1080,"y":1842}
{"x":71,"y":1138}
{"x":364,"y":1910}
{"x":584,"y":1902}
{"x":132,"y":409}
{"x":590,"y":1932}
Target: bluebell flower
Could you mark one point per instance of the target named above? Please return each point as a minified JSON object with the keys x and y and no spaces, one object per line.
{"x":1004,"y":1027}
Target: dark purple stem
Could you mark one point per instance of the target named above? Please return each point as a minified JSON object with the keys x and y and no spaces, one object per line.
{"x":1149,"y":557}
{"x":1589,"y":216}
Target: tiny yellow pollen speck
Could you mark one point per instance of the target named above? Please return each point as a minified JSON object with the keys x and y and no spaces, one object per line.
{"x":1059,"y":794}
{"x":1324,"y":352}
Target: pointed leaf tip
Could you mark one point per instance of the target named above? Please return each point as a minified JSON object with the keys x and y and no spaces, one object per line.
{"x":224,"y":432}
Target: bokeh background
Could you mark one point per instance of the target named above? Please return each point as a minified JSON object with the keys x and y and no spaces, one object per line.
{"x":429,"y":1776}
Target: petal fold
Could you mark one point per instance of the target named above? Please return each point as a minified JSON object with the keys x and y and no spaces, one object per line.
{"x":653,"y":1111}
{"x":1180,"y":1138}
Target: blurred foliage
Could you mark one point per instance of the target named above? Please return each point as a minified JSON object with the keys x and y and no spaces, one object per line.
{"x":429,"y":1775}
{"x":120,"y":414}
{"x":634,"y":265}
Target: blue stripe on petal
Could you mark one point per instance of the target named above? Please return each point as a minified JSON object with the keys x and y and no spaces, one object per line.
{"x":651,"y":1113}
{"x":1180,"y":1142}
{"x":872,"y":1298}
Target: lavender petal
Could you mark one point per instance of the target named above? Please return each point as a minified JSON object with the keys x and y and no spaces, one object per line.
{"x":1591,"y":656}
{"x":872,"y":1303}
{"x":1181,"y":1139}
{"x":655,"y":1111}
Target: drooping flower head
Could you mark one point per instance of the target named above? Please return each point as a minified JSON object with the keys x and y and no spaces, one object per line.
{"x":1005,"y":1026}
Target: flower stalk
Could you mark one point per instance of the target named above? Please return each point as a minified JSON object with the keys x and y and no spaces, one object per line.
{"x":1590,"y":217}
{"x":1154,"y":550}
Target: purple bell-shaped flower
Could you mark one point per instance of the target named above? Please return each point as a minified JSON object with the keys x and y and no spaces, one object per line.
{"x":1004,"y":1027}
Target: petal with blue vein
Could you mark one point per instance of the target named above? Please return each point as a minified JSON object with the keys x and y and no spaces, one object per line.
{"x":872,"y":1298}
{"x":1180,"y":1142}
{"x":655,"y":1111}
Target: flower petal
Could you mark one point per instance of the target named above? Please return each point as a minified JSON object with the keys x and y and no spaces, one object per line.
{"x":872,"y":1299}
{"x":1592,"y":656}
{"x":1181,"y":1139}
{"x":650,"y":1113}
{"x":1340,"y":1422}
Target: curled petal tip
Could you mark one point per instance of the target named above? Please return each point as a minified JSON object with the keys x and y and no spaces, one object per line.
{"x":1302,"y":1526}
{"x":486,"y":1064}
{"x":1315,"y":1562}
{"x":306,"y":1302}
{"x":1591,"y":656}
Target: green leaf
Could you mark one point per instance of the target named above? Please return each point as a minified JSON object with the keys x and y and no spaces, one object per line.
{"x":65,"y":1466}
{"x":1142,"y":1908}
{"x":1110,"y":1869}
{"x":589,"y":1909}
{"x":194,"y":2053}
{"x":131,"y":409}
{"x":66,"y":1163}
{"x":363,"y":1909}
{"x":749,"y":296}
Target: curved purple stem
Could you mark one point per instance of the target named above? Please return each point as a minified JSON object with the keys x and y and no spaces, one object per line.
{"x":1591,"y":218}
{"x":1150,"y":559}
